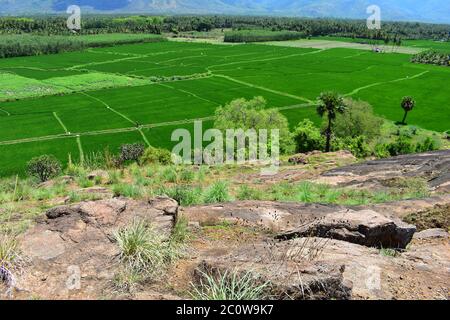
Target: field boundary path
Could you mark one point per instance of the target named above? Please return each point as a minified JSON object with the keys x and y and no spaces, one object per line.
{"x":60,"y":122}
{"x":264,"y":88}
{"x":355,"y":91}
{"x":80,"y":149}
{"x":109,"y":107}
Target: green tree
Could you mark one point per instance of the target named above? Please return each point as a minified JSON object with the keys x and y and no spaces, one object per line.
{"x":358,"y":120}
{"x":254,"y":114}
{"x":330,"y":104}
{"x":307,"y":137}
{"x":408,"y":105}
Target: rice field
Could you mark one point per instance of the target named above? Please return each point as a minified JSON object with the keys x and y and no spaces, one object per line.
{"x":80,"y":102}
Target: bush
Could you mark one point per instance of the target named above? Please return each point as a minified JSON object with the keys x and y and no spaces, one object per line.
{"x":358,"y":146}
{"x":131,"y":152}
{"x":357,"y":120}
{"x":403,"y":145}
{"x":307,"y":137}
{"x":432,"y":57}
{"x":153,"y":155}
{"x":427,"y":145}
{"x":44,"y":167}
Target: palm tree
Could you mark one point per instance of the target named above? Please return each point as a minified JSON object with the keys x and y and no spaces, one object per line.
{"x":330,"y":104}
{"x":408,"y":104}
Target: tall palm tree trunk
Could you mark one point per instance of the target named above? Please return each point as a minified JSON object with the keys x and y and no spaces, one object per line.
{"x":328,"y":134}
{"x":404,"y":118}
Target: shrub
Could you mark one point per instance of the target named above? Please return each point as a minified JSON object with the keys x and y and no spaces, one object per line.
{"x":131,"y":152}
{"x":381,"y":151}
{"x":307,"y":137}
{"x":44,"y":167}
{"x":427,"y":145}
{"x":402,"y":145}
{"x":358,"y":146}
{"x":156,"y":156}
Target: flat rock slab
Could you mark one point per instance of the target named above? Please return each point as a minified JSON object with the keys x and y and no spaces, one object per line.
{"x":432,"y":166}
{"x":289,"y":275}
{"x":78,"y":241}
{"x":288,"y":220}
{"x":272,"y":216}
{"x":364,"y":227}
{"x":432,"y":234}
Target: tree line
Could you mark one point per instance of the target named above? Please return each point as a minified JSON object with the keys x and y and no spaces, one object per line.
{"x":262,"y":36}
{"x":94,"y":24}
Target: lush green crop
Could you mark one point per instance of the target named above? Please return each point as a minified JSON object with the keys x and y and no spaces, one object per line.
{"x":142,"y":92}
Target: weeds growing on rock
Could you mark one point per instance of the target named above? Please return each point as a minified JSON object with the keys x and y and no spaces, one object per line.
{"x":145,"y":252}
{"x":387,"y":252}
{"x":141,"y":250}
{"x":228,"y":286}
{"x":9,"y":261}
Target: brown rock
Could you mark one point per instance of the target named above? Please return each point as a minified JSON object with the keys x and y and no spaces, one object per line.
{"x":364,"y":227}
{"x":289,"y":275}
{"x":79,"y":238}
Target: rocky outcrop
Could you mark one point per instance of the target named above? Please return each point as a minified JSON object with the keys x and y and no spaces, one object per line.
{"x":286,"y":271}
{"x":431,"y":166}
{"x":364,"y":227}
{"x":76,"y":243}
{"x":289,"y":220}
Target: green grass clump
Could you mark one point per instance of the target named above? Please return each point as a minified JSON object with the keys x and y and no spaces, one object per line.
{"x":127,"y":190}
{"x":145,"y":253}
{"x":248,"y":193}
{"x":387,"y":252}
{"x":142,"y":253}
{"x":228,"y":286}
{"x":185,"y":195}
{"x":217,"y":193}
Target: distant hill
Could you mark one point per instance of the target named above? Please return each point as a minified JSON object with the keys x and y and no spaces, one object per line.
{"x":437,"y":11}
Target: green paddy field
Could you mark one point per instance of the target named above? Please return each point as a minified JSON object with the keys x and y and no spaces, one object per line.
{"x":80,"y":102}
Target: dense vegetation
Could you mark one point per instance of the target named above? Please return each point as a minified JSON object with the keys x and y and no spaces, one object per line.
{"x":31,"y":45}
{"x":432,"y":57}
{"x":262,"y":35}
{"x":94,"y":24}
